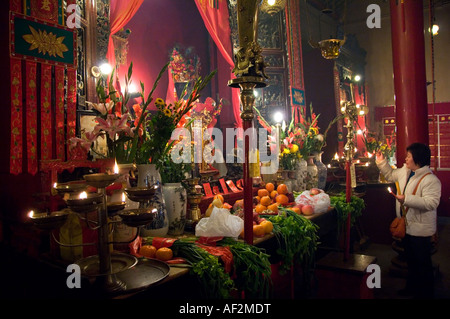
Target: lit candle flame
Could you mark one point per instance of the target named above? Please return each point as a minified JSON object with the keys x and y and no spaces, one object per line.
{"x":367,"y":164}
{"x":116,"y":168}
{"x":123,"y":197}
{"x":329,"y":165}
{"x":31,"y":214}
{"x":369,"y":155}
{"x":83,"y":195}
{"x":54,"y":185}
{"x":389,"y":190}
{"x":336,"y":156}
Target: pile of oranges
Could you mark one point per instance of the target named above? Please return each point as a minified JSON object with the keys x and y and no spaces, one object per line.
{"x":269,"y":198}
{"x":162,"y":253}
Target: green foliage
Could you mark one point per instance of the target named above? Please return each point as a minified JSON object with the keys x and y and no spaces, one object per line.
{"x":215,"y":283}
{"x":251,"y":268}
{"x":297,"y":238}
{"x":172,"y":172}
{"x":355,"y":207}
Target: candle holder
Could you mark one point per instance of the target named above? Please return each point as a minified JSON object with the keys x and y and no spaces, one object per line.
{"x":193,"y":213}
{"x":114,"y":272}
{"x":138,"y":217}
{"x":249,"y":69}
{"x":100,"y":180}
{"x":141,"y":194}
{"x":114,"y":207}
{"x":69,"y":188}
{"x":49,"y":221}
{"x":84,"y":205}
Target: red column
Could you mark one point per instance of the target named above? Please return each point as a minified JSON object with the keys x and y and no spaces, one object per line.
{"x":408,"y":55}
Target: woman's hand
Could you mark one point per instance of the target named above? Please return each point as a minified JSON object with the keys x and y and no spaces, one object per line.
{"x":379,"y":156}
{"x":400,"y":198}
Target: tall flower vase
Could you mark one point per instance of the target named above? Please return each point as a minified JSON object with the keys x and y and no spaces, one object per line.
{"x":175,"y":197}
{"x":301,"y":175}
{"x":149,"y":175}
{"x":321,"y":171}
{"x":312,"y":176}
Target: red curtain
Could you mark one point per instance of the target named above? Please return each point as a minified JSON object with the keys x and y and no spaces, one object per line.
{"x":120,"y":13}
{"x":216,"y":19}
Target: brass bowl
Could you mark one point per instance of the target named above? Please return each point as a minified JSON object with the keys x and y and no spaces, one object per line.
{"x":100,"y":180}
{"x":70,"y":187}
{"x":138,"y":217}
{"x":49,"y":222}
{"x":137,"y":194}
{"x":82,"y":205}
{"x":114,"y":207}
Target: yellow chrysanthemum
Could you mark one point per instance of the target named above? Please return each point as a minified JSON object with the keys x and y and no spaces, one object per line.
{"x":294,"y":148}
{"x":286,"y":151}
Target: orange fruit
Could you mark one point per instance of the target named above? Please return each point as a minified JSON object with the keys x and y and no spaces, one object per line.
{"x":258,"y":230}
{"x":164,"y":254}
{"x":263,"y":192}
{"x":273,"y":194}
{"x":258,"y":198}
{"x":296,"y":210}
{"x":282,"y":189}
{"x":219,"y":197}
{"x":267,"y":225}
{"x":273,"y":207}
{"x":270,"y":187}
{"x":282,"y":199}
{"x":266,"y":200}
{"x":148,"y":251}
{"x":260,"y":208}
{"x":241,"y":235}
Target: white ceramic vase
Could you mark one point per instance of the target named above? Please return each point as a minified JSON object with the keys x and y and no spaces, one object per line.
{"x":148,"y":175}
{"x":175,"y":198}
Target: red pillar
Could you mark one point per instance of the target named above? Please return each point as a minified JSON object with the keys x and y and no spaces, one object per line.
{"x":408,"y":55}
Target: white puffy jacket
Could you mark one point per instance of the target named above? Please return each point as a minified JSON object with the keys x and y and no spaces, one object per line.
{"x":421,"y":215}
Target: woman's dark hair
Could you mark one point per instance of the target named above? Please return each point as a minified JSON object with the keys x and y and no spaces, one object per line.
{"x":421,"y":153}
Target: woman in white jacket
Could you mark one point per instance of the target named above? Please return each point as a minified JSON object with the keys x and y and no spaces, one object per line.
{"x":421,"y":214}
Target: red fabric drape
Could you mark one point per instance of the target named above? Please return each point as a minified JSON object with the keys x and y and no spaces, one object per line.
{"x":217,"y":23}
{"x":121,"y":13}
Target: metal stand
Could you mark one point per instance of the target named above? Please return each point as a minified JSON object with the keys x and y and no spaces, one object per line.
{"x":249,"y":71}
{"x":110,"y":270}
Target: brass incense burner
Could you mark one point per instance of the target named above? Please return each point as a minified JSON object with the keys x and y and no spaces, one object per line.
{"x":193,"y":213}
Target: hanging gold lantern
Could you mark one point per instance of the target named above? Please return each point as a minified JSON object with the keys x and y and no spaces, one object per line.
{"x":272,"y":7}
{"x":330,"y":48}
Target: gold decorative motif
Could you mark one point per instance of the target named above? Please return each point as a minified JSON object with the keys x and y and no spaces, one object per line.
{"x":46,"y":43}
{"x":298,"y":97}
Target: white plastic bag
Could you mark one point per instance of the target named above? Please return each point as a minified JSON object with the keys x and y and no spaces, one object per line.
{"x":320,"y":201}
{"x":220,"y":223}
